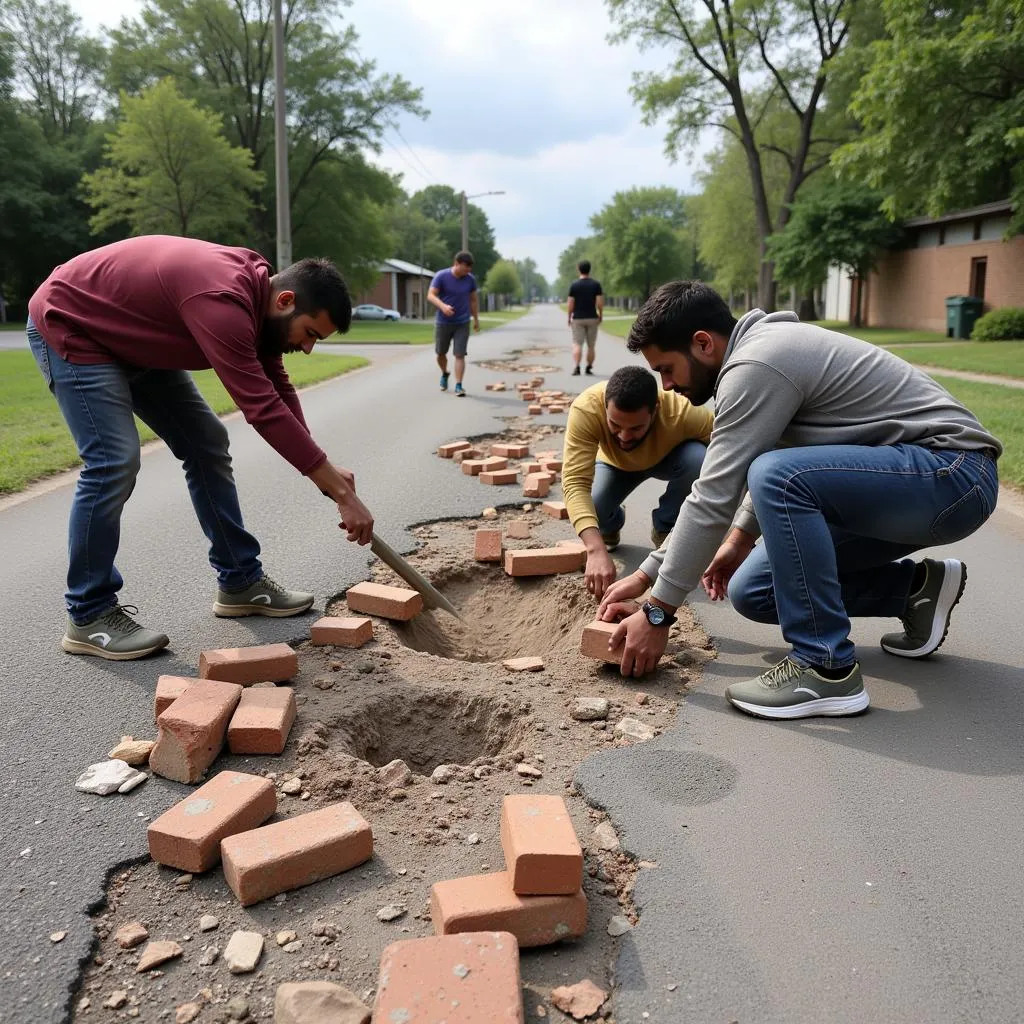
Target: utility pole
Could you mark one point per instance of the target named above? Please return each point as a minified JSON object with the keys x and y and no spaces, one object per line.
{"x":284,"y":212}
{"x":465,"y":212}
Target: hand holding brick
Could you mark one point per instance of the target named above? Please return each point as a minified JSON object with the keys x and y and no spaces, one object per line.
{"x":594,"y":643}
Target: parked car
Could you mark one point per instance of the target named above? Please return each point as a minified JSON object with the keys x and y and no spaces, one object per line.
{"x":368,"y":311}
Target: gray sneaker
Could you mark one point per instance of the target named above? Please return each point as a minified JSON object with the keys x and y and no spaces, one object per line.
{"x":926,"y":620}
{"x":115,"y":635}
{"x":792,"y":690}
{"x":264,"y":597}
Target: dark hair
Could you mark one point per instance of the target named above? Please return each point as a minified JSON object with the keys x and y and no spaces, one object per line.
{"x":632,"y":388}
{"x":675,"y":312}
{"x":319,"y":288}
{"x":464,"y":256}
{"x":583,"y":266}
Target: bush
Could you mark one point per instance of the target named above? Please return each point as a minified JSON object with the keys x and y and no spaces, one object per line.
{"x":1000,"y":325}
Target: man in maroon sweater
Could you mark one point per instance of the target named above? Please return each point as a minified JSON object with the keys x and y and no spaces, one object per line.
{"x":115,"y":332}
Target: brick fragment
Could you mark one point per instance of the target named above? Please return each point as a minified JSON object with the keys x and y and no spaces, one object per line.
{"x":510,"y":451}
{"x":528,"y":395}
{"x":487,"y":902}
{"x":188,"y":835}
{"x":524,"y":664}
{"x":556,"y":408}
{"x":387,"y":602}
{"x":536,"y":485}
{"x":500,"y":477}
{"x":262,"y":720}
{"x":466,"y":454}
{"x":543,"y":857}
{"x":535,"y":410}
{"x":487,"y":546}
{"x":526,"y":468}
{"x":519,"y":529}
{"x":551,"y":465}
{"x":446,"y":451}
{"x":295,"y":852}
{"x":168,"y":690}
{"x":555,"y":509}
{"x":576,"y":545}
{"x":543,"y":561}
{"x":473,"y":467}
{"x":594,"y":642}
{"x":460,"y":979}
{"x":341,"y":631}
{"x":269,"y":663}
{"x":493,"y":463}
{"x":192,"y":730}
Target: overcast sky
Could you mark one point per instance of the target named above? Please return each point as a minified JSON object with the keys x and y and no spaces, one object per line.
{"x":525,"y":97}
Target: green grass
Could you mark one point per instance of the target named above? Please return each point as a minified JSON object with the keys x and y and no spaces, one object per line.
{"x":412,"y":332}
{"x":1004,"y":358}
{"x":883,"y":335}
{"x":12,"y":327}
{"x":620,"y":328}
{"x":608,"y":310}
{"x":35,"y":442}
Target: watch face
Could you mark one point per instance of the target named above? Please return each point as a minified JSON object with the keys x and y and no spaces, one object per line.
{"x":655,"y":615}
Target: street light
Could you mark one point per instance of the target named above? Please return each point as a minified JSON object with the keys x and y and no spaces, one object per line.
{"x":465,"y":213}
{"x":284,"y":213}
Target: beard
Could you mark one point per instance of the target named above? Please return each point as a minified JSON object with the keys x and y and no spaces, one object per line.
{"x":273,"y":340}
{"x":703,"y":379}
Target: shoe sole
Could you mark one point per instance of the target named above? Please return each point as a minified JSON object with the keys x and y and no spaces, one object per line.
{"x":238,"y":611}
{"x":460,"y":394}
{"x":852,"y":705}
{"x":951,"y":591}
{"x":78,"y":647}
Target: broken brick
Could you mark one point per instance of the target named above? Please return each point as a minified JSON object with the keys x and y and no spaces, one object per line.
{"x":473,"y":467}
{"x":487,"y":546}
{"x":518,"y":529}
{"x":386,"y":602}
{"x":551,"y":465}
{"x":510,"y":451}
{"x":446,"y":451}
{"x":262,"y":720}
{"x":524,"y":664}
{"x":543,"y":561}
{"x":594,"y":642}
{"x":536,"y":485}
{"x":526,"y":468}
{"x":187,"y":836}
{"x":499,"y":477}
{"x":543,"y":857}
{"x":466,"y":454}
{"x":341,"y":631}
{"x":535,"y":410}
{"x":555,"y":509}
{"x":493,"y":463}
{"x":268,"y":663}
{"x":168,"y":690}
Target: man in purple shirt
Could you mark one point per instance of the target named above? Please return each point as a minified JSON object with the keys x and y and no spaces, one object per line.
{"x":453,"y":292}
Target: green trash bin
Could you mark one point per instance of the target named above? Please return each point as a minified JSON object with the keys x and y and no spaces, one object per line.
{"x":961,"y":313}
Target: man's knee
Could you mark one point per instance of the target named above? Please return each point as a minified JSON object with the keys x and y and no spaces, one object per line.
{"x":765,"y":471}
{"x":751,"y":593}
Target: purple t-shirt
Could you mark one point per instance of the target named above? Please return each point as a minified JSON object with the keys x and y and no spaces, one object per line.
{"x":455,"y":291}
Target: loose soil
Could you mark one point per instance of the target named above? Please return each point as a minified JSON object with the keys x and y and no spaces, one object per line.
{"x":430,"y":692}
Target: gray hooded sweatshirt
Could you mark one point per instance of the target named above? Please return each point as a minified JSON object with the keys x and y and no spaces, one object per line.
{"x":788,"y":384}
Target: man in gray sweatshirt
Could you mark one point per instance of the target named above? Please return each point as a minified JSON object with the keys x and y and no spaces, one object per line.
{"x":851,"y":459}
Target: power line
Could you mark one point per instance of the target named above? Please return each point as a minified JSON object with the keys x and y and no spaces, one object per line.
{"x":416,"y":155}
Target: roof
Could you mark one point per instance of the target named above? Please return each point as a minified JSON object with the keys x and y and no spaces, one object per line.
{"x":401,"y":267}
{"x":985,"y":210}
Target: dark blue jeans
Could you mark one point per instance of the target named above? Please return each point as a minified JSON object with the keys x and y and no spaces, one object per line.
{"x":99,"y":402}
{"x":838,"y":521}
{"x":612,"y":486}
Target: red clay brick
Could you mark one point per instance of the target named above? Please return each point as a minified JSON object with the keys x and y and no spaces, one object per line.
{"x":487,"y":903}
{"x":295,"y":852}
{"x":542,"y":854}
{"x":526,"y":468}
{"x":519,"y":529}
{"x":341,"y":631}
{"x":458,"y":979}
{"x":168,"y":690}
{"x":528,"y":664}
{"x":536,"y":485}
{"x":269,"y":663}
{"x":262,"y":720}
{"x":594,"y":643}
{"x":192,"y":730}
{"x":473,"y":467}
{"x":500,"y":477}
{"x":552,"y":477}
{"x":386,"y":602}
{"x":493,"y":463}
{"x":543,"y":561}
{"x":528,"y":395}
{"x":188,"y":835}
{"x":446,"y":451}
{"x":535,"y":410}
{"x":465,"y":454}
{"x":556,"y":408}
{"x":511,"y":451}
{"x":555,"y":509}
{"x":576,"y":545}
{"x":551,"y":465}
{"x":487,"y":546}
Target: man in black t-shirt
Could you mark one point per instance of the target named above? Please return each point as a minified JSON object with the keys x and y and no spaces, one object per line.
{"x":586,"y":311}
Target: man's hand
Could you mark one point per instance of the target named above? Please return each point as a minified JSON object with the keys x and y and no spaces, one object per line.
{"x":617,"y":611}
{"x":476,"y":324}
{"x":600,"y":572}
{"x":339,"y":485}
{"x":728,"y":558}
{"x":446,"y":309}
{"x":625,"y":590}
{"x":644,"y":644}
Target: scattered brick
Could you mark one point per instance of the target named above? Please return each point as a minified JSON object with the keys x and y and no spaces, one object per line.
{"x":188,"y":835}
{"x":542,"y":854}
{"x":526,"y":468}
{"x":387,"y":602}
{"x":537,"y":382}
{"x":488,"y":903}
{"x":519,"y":529}
{"x":594,"y":643}
{"x":543,"y":561}
{"x":460,"y":979}
{"x":262,"y":720}
{"x":524,"y":664}
{"x":500,"y":477}
{"x":269,"y":663}
{"x":168,"y":690}
{"x":535,"y":410}
{"x":192,"y":730}
{"x":493,"y":463}
{"x":487,"y":546}
{"x":556,"y":408}
{"x":555,"y":509}
{"x":473,"y":467}
{"x":295,"y":852}
{"x":528,"y":395}
{"x":511,"y":451}
{"x":446,"y":451}
{"x":536,"y":485}
{"x":576,"y":545}
{"x":552,"y":476}
{"x":466,"y":454}
{"x":551,"y":465}
{"x":341,"y":631}
{"x":552,"y":454}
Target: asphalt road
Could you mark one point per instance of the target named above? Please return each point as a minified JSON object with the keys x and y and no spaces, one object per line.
{"x":832,"y":870}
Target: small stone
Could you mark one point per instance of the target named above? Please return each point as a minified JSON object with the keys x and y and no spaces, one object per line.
{"x":642,"y":698}
{"x":395,"y":774}
{"x":238,"y":1008}
{"x":473,"y":839}
{"x":397,"y":795}
{"x":365,"y":667}
{"x":209,"y":957}
{"x":489,"y":513}
{"x":581,"y":1000}
{"x":589,"y":709}
{"x":316,"y":1002}
{"x":133,"y":752}
{"x":104,"y":777}
{"x":527,"y":507}
{"x":527,"y":771}
{"x":390,"y":913}
{"x":283,"y":938}
{"x":672,"y":987}
{"x":243,"y":951}
{"x":57,"y":936}
{"x":84,"y":1003}
{"x":481,"y":771}
{"x":207,"y":923}
{"x":136,"y":780}
{"x":182,"y":881}
{"x":293,"y":947}
{"x":542,"y":1011}
{"x":442,"y":774}
{"x":116,"y":999}
{"x":605,"y":837}
{"x":130,"y":935}
{"x":524,"y":664}
{"x":633,"y":729}
{"x":157,"y":953}
{"x":619,"y":925}
{"x":186,"y":1013}
{"x":292,"y":787}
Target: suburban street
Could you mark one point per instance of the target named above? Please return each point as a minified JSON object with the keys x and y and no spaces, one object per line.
{"x":846,"y":870}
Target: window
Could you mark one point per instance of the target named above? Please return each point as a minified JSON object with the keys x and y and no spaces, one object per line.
{"x":979,"y":266}
{"x":977,"y":230}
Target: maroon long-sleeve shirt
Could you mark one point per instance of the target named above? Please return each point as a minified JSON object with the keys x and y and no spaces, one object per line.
{"x":167,"y":303}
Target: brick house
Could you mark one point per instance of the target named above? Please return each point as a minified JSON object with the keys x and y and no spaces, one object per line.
{"x":960,"y":253}
{"x":402,"y":286}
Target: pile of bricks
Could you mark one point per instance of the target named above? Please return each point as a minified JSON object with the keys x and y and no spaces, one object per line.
{"x":546,"y":401}
{"x":492,"y":466}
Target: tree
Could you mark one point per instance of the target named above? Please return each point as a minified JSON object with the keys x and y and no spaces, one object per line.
{"x":503,"y":279}
{"x":171,"y":171}
{"x":580,"y":249}
{"x":531,"y":280}
{"x":418,"y":238}
{"x":642,"y":230}
{"x":942,"y":108}
{"x":719,"y":48}
{"x":834,"y":223}
{"x":443,"y":205}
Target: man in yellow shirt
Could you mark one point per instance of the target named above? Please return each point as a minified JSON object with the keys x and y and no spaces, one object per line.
{"x":620,"y":433}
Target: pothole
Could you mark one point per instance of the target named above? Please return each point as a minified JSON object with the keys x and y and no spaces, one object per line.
{"x":534,"y":353}
{"x":515,"y":366}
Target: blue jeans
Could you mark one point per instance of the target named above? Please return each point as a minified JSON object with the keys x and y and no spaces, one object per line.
{"x":612,"y":486}
{"x":838,"y":521}
{"x":98,"y":402}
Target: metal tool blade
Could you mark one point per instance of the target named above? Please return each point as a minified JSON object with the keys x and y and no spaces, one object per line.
{"x":432,"y":597}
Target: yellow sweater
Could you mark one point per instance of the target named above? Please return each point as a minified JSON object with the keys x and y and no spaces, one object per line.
{"x":588,"y":438}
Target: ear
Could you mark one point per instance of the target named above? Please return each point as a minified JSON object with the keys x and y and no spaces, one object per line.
{"x":702,"y":343}
{"x":284,"y":300}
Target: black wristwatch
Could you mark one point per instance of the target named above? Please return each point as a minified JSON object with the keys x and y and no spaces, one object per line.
{"x":656,"y":615}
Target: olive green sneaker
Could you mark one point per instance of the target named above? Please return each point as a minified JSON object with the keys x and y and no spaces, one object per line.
{"x":926,"y":619}
{"x":612,"y":540}
{"x":114,"y":635}
{"x":264,"y":597}
{"x":792,"y":690}
{"x":657,"y":537}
